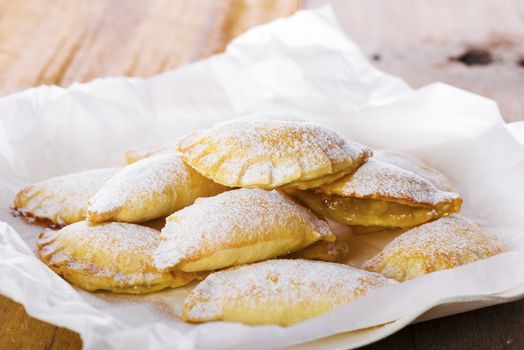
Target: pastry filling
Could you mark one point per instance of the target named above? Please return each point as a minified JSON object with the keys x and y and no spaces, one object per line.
{"x":372,"y":212}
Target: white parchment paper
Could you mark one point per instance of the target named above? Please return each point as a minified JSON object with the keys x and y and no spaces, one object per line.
{"x":303,"y":65}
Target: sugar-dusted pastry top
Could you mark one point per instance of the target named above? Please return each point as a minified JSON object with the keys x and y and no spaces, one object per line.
{"x":271,"y":153}
{"x":113,"y":256}
{"x":138,"y":154}
{"x":63,"y":199}
{"x":237,"y":227}
{"x":441,"y":244}
{"x":148,"y":189}
{"x":413,"y":164}
{"x":278,"y":292}
{"x":377,"y":179}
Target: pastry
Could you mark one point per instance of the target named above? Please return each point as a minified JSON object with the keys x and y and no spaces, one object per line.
{"x":381,"y":194}
{"x":148,"y":189}
{"x":114,"y":256}
{"x":164,"y":148}
{"x":324,"y":251}
{"x":237,"y":227}
{"x":61,"y":200}
{"x":271,"y":153}
{"x":279,"y":292}
{"x":413,"y":164}
{"x":337,"y":251}
{"x":442,"y":244}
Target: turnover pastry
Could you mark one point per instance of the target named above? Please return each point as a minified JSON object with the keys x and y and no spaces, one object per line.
{"x":271,"y":153}
{"x":278,"y":292}
{"x":442,"y":244}
{"x":150,"y":188}
{"x":237,"y":227}
{"x":63,"y":199}
{"x":114,"y":256}
{"x":381,"y":194}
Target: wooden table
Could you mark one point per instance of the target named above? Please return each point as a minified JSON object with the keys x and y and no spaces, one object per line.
{"x":477,"y":45}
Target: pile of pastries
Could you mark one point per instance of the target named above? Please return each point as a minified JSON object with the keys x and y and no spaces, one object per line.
{"x":247,"y":208}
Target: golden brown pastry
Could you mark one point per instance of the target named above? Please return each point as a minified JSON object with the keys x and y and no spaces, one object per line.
{"x":237,"y":227}
{"x":381,"y":194}
{"x":442,"y":244}
{"x":115,"y":257}
{"x":413,"y":164}
{"x":61,"y":200}
{"x":164,"y":148}
{"x":271,"y":153}
{"x":277,"y":291}
{"x":148,"y":189}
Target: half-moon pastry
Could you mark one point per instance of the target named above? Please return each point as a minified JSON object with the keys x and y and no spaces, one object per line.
{"x":237,"y":227}
{"x":277,"y":291}
{"x":62,"y":200}
{"x":442,"y":244}
{"x":413,"y":164}
{"x":164,"y":148}
{"x":381,"y":194}
{"x":114,"y":256}
{"x":271,"y":153}
{"x":148,"y":189}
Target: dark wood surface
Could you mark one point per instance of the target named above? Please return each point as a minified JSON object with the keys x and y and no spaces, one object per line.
{"x":495,"y":327}
{"x":90,"y":43}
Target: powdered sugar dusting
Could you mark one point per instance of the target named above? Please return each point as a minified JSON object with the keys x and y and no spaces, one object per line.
{"x":118,"y":250}
{"x":146,"y":178}
{"x":444,"y":243}
{"x":63,"y":199}
{"x":163,"y":178}
{"x":413,"y":164}
{"x":280,"y":282}
{"x":235,"y":218}
{"x":378,"y":179}
{"x":232,"y":153}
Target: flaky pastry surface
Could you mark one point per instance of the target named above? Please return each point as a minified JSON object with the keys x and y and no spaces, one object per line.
{"x":148,"y":189}
{"x":63,"y":199}
{"x":278,"y":292}
{"x":442,"y":244}
{"x":271,"y":153}
{"x":114,"y":256}
{"x":237,"y":227}
{"x":377,"y":179}
{"x":409,"y":162}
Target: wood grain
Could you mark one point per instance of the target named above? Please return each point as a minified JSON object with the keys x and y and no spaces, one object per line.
{"x":19,"y":331}
{"x":61,"y":41}
{"x":417,"y":41}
